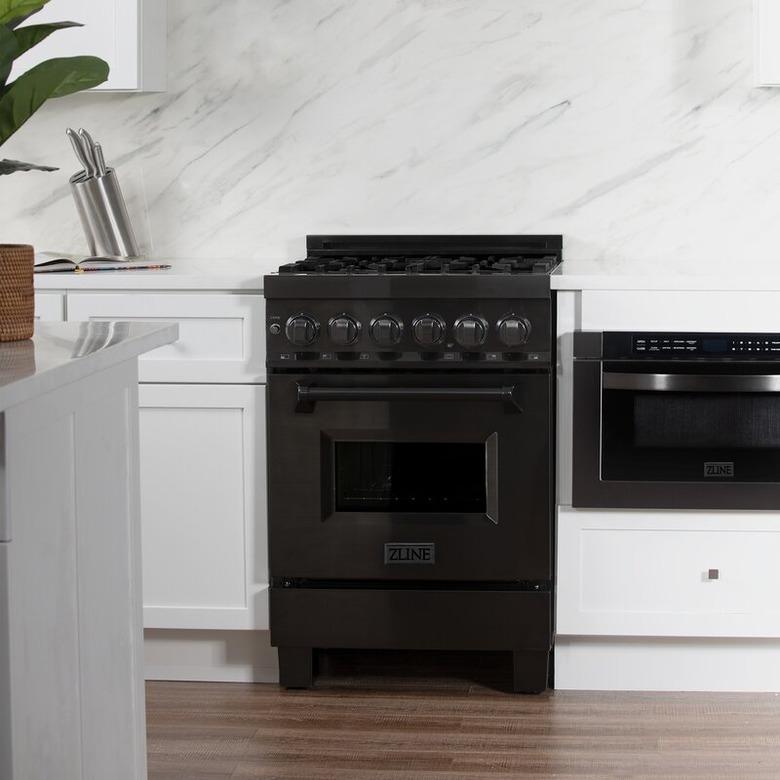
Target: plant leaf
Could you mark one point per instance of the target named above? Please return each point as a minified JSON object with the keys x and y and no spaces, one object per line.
{"x":33,"y":34}
{"x":50,"y":79}
{"x":13,"y":12}
{"x":12,"y":166}
{"x":9,"y":51}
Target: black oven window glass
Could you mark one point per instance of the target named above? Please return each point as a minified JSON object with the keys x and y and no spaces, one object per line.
{"x":410,"y":477}
{"x":713,"y":420}
{"x":690,"y":437}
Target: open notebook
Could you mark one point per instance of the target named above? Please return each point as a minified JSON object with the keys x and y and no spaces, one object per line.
{"x":47,"y":262}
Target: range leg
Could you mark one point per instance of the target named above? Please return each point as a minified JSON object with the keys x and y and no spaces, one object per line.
{"x":529,"y":670}
{"x":296,"y":667}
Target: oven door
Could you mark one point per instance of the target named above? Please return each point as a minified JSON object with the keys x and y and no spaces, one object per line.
{"x":410,"y":478}
{"x":697,"y":434}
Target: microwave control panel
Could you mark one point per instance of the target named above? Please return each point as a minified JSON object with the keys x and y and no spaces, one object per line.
{"x":671,"y":345}
{"x":706,"y":344}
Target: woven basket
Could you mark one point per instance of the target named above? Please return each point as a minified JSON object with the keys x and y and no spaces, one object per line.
{"x":17,"y":300}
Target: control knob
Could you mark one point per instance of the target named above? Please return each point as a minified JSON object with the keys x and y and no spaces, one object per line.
{"x":302,"y":330}
{"x":470,"y":332}
{"x":514,"y":331}
{"x":386,"y":330}
{"x":343,"y":330}
{"x":429,"y":330}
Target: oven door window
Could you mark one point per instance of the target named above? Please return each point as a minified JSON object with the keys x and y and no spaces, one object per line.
{"x":410,"y":477}
{"x":690,"y":436}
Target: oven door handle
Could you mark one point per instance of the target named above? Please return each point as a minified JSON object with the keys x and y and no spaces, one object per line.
{"x":308,"y":395}
{"x":699,"y":383}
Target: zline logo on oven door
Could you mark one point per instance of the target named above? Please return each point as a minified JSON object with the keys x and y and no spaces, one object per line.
{"x":422,"y":552}
{"x":719,"y":469}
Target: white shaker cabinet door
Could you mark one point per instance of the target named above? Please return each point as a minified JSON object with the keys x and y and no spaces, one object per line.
{"x":130,"y":35}
{"x":203,"y":506}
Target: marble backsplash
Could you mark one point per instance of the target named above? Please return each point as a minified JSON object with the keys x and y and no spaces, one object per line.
{"x":631,"y":127}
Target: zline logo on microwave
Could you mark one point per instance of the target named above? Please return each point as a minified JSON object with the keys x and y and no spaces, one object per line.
{"x":399,"y":552}
{"x":719,"y":469}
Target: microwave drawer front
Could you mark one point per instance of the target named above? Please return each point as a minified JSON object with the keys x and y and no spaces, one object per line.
{"x":221,"y":336}
{"x":668,"y":574}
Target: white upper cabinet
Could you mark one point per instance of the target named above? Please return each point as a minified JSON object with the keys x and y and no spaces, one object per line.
{"x":128,"y":34}
{"x":767,"y":42}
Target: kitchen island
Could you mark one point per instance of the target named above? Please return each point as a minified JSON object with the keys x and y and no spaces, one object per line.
{"x":71,"y":676}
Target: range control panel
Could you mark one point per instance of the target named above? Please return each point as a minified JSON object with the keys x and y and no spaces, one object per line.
{"x":413,"y":333}
{"x":660,"y":345}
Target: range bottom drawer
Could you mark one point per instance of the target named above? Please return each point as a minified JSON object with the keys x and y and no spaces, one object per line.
{"x":410,"y":619}
{"x":668,"y":573}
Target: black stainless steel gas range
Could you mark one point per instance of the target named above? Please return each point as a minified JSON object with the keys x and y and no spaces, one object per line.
{"x":410,"y":448}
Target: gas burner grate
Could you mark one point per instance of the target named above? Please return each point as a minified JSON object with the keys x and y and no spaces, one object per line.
{"x":428,"y":265}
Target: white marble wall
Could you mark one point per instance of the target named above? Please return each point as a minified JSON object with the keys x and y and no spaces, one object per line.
{"x":632,"y":127}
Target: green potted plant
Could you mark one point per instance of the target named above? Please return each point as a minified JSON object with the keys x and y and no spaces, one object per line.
{"x":19,"y":100}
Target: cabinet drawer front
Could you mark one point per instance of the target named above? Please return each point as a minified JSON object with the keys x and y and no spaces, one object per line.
{"x":674,"y":574}
{"x":49,"y":307}
{"x":221,"y":337}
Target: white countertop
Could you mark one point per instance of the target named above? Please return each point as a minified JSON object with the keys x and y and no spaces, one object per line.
{"x":244,"y":275}
{"x":60,"y":353}
{"x":703,"y":276}
{"x":185,"y":274}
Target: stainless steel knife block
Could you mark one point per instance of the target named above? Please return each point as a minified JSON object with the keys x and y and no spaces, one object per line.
{"x":103,"y":215}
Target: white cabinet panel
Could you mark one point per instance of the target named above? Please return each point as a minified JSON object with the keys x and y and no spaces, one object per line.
{"x":713,"y":310}
{"x":221,"y":336}
{"x":767,"y":42}
{"x":203,"y":505}
{"x":73,"y":594}
{"x":644,"y":573}
{"x":49,"y":307}
{"x":128,"y":34}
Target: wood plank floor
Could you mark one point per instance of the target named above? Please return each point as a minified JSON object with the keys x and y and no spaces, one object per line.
{"x":403,"y":721}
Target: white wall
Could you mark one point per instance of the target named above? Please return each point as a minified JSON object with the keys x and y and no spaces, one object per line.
{"x":631,"y":127}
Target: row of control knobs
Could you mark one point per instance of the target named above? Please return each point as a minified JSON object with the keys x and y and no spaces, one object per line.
{"x":429,"y":330}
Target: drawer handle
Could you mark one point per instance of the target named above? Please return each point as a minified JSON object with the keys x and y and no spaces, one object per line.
{"x":713,"y":574}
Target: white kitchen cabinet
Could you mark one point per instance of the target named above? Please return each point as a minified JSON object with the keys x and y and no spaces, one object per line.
{"x":129,"y":34}
{"x":49,"y":307}
{"x":202,"y":461}
{"x":203,"y":506}
{"x":221,"y":335}
{"x":766,"y":42}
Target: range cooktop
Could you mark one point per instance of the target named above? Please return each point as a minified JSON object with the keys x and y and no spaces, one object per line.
{"x":420,"y":266}
{"x":431,"y":264}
